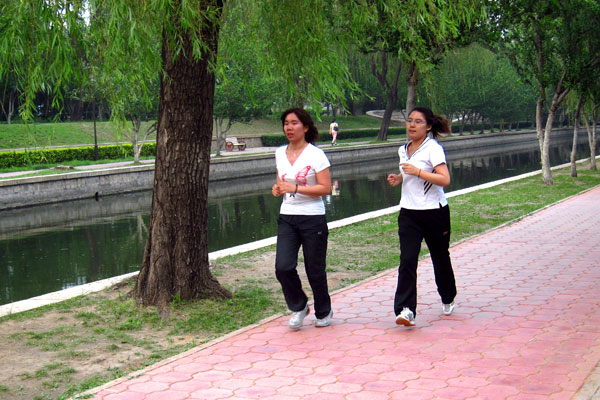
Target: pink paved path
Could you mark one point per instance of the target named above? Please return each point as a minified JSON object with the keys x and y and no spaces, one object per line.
{"x":527,"y":326}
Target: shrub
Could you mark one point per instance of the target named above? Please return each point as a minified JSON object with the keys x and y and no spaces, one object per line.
{"x":26,"y":158}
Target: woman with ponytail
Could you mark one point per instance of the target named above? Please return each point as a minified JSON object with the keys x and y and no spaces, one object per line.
{"x":424,"y":212}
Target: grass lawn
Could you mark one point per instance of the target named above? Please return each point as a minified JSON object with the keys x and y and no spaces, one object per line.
{"x":16,"y":136}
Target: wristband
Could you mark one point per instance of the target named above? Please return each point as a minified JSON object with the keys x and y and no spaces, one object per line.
{"x":296,"y":191}
{"x":419,"y":174}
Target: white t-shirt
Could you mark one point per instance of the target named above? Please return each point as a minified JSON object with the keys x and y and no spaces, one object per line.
{"x":332,"y":126}
{"x":304,"y":173}
{"x":417,"y":193}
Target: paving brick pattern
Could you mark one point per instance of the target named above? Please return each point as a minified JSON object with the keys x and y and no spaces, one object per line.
{"x":526,"y":327}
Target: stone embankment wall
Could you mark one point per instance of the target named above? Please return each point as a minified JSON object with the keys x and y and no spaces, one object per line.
{"x":24,"y":192}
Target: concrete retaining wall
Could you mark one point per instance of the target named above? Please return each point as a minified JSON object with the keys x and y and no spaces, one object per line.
{"x":24,"y":192}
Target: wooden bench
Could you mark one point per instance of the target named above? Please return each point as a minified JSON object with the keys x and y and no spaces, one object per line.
{"x":232,"y":142}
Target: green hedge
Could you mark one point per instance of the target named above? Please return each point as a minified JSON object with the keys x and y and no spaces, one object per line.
{"x":280,"y":139}
{"x":26,"y":158}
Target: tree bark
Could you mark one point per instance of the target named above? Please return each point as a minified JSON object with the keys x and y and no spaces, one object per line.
{"x":391,"y":92}
{"x":11,"y":108}
{"x":545,"y":156}
{"x":137,"y":124}
{"x":176,"y":254}
{"x":412,"y":80}
{"x":594,"y":138}
{"x":95,"y":115}
{"x":12,"y":96}
{"x":559,"y":95}
{"x":575,"y":133}
{"x":592,"y":133}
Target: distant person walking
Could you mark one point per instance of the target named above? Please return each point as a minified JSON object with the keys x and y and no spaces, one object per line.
{"x":333,"y":131}
{"x":424,"y":212}
{"x":303,"y":176}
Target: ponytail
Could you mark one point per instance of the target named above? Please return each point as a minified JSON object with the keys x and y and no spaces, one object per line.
{"x":439,"y":124}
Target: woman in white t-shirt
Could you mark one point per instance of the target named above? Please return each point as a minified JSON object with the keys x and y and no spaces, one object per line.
{"x":302,"y":178}
{"x":333,"y":131}
{"x":424,"y":212}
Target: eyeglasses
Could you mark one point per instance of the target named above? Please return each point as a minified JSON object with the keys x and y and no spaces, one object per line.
{"x":415,"y":121}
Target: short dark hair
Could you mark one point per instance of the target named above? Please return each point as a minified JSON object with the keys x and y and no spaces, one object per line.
{"x":438,"y":123}
{"x":312,"y":134}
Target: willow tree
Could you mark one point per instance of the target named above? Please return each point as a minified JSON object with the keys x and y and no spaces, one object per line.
{"x":45,"y":43}
{"x":414,"y":34}
{"x":554,"y":45}
{"x":473,"y":83}
{"x":307,"y":48}
{"x":243,"y":91}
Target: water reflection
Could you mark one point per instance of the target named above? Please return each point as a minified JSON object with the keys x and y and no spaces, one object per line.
{"x":48,"y":248}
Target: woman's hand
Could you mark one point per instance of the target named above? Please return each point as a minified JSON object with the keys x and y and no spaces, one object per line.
{"x":281,"y":188}
{"x":322,"y":188}
{"x":286,"y":187}
{"x":409,"y":169}
{"x":440,"y":175}
{"x":394,"y":180}
{"x":275,"y":190}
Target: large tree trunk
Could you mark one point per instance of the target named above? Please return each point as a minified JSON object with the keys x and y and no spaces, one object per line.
{"x":594,"y":142}
{"x":592,"y":133}
{"x":387,"y":116}
{"x":11,"y":108}
{"x":575,"y":133}
{"x":545,"y":155}
{"x":137,"y":124}
{"x":539,"y":123}
{"x":412,"y":80}
{"x":391,"y":91}
{"x":559,"y":95}
{"x":176,"y":255}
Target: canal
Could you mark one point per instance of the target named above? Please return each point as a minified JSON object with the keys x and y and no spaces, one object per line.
{"x":53,"y":247}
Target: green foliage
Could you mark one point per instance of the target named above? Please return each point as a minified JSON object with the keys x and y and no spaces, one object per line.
{"x":409,"y":37}
{"x":307,"y":48}
{"x":42,"y":44}
{"x":25,"y":158}
{"x":243,"y":91}
{"x":555,"y":46}
{"x":473,"y":82}
{"x":547,"y":41}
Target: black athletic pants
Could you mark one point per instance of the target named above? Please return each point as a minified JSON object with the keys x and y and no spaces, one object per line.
{"x":414,"y":226}
{"x":311,"y":232}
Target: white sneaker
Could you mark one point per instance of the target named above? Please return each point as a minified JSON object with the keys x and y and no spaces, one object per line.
{"x":298,"y":317}
{"x":325,"y":321}
{"x":448,"y":308}
{"x":406,"y":317}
